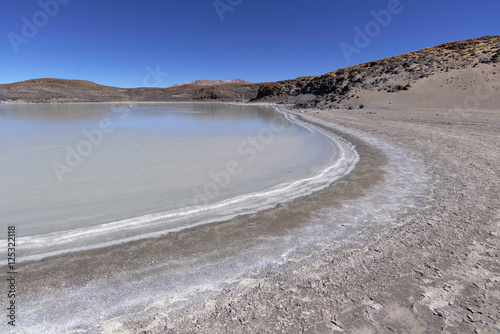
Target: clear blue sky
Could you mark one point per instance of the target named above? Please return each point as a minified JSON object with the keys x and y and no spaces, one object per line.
{"x":119,"y":42}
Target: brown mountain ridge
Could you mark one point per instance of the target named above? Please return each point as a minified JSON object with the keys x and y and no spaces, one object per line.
{"x":431,"y":77}
{"x":208,"y":82}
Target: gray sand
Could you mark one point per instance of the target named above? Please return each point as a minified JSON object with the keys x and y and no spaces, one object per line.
{"x":413,"y":247}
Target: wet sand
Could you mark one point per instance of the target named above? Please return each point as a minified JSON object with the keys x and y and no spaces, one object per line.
{"x":427,"y":262}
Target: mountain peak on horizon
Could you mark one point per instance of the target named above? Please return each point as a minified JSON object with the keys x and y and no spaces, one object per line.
{"x":208,"y":82}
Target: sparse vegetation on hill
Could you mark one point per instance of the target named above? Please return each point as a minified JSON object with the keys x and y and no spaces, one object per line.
{"x":386,"y":75}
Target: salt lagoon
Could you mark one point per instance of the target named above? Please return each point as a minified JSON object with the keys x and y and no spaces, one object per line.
{"x":82,"y":176}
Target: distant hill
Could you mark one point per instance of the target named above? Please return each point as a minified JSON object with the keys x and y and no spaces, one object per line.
{"x":213,"y":83}
{"x":59,"y":90}
{"x":435,"y":77}
{"x":50,"y":90}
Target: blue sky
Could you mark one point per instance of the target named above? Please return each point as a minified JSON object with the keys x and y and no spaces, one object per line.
{"x":129,"y":43}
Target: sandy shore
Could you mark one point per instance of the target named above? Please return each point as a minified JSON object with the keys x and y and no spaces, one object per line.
{"x":439,"y":271}
{"x":415,"y":247}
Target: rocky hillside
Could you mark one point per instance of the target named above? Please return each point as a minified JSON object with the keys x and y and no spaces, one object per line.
{"x":431,"y":77}
{"x":391,"y":75}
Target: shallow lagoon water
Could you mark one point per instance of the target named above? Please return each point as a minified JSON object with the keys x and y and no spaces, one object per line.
{"x":78,"y":176}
